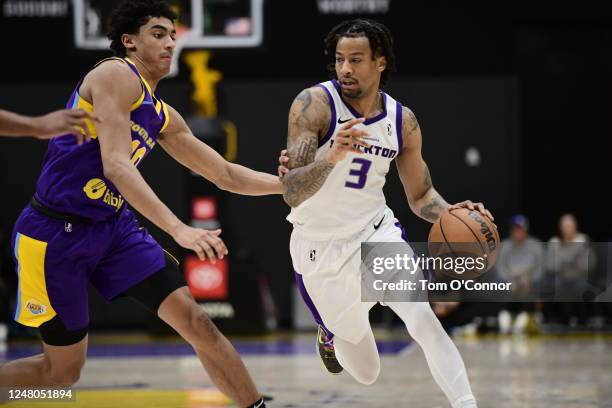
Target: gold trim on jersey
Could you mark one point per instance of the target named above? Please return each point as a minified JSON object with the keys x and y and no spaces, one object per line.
{"x":138,"y":102}
{"x":157,"y":102}
{"x":166,"y":117}
{"x":88,"y":106}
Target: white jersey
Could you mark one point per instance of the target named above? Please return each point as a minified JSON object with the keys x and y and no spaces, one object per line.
{"x":352,"y":195}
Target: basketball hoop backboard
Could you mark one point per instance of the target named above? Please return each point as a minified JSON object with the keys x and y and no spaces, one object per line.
{"x":207,"y":23}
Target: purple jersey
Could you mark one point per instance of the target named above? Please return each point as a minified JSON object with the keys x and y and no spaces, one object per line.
{"x":72,"y":179}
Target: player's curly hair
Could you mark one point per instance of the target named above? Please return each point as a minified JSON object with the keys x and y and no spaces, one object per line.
{"x":130,"y":15}
{"x":381,"y":42}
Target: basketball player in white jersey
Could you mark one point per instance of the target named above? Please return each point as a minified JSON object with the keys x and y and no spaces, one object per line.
{"x":343,"y":136}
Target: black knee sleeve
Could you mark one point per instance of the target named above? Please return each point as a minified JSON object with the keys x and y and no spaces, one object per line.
{"x":152,"y":291}
{"x":54,"y":333}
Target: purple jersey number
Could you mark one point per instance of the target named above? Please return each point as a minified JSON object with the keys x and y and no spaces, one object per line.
{"x":361,"y":173}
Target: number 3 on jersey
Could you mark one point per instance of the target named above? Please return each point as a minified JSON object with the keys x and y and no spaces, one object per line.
{"x":360,"y":171}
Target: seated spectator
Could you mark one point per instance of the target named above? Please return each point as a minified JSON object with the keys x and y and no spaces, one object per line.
{"x":520,"y":262}
{"x":568,"y":263}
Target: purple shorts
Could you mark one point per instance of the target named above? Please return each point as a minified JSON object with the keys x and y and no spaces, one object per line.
{"x":56,"y":261}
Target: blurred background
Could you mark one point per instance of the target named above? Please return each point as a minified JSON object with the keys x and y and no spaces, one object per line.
{"x":513,"y":98}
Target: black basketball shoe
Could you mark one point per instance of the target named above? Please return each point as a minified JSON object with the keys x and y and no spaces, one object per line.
{"x":327,"y":353}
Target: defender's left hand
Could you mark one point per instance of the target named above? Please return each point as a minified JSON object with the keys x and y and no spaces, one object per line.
{"x":63,"y":122}
{"x":283,"y":159}
{"x":474,"y":207}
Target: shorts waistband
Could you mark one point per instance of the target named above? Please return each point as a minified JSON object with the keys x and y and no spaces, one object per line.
{"x":355,"y":230}
{"x":44,"y":210}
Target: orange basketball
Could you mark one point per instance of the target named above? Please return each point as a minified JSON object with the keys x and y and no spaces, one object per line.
{"x":468,"y":234}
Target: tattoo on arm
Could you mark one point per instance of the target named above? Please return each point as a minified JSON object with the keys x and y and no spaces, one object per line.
{"x":434,"y":204}
{"x":306,"y":98}
{"x":304,"y":152}
{"x":305,"y":182}
{"x":307,"y":175}
{"x":409,"y":121}
{"x":413,"y":123}
{"x":428,"y":182}
{"x":432,"y":210}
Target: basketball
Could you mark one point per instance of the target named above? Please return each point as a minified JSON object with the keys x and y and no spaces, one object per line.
{"x":467,"y":234}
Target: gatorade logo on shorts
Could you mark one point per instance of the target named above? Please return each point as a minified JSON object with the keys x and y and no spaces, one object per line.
{"x":35,"y":307}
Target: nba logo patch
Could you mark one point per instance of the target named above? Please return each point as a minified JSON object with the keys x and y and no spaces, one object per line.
{"x":313,"y":255}
{"x":36,"y":308}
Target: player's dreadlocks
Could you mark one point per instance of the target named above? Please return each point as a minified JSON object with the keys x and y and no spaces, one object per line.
{"x":130,"y":15}
{"x":381,"y":42}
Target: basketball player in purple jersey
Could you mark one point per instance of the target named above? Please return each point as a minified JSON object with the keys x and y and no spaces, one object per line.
{"x":343,"y":136}
{"x":47,"y":126}
{"x":77,"y":228}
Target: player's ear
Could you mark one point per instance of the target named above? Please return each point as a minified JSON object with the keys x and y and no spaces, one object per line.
{"x":381,"y":64}
{"x":128,"y":42}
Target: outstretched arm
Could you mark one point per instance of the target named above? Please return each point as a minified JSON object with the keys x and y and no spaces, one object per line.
{"x":56,"y":123}
{"x":184,"y":147}
{"x":308,"y":119}
{"x":113,"y":89}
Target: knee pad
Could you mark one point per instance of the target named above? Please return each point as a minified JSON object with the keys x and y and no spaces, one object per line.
{"x":153,"y":290}
{"x":54,"y":333}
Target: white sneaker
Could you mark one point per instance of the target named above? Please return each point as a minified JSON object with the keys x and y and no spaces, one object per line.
{"x":465,"y":402}
{"x":504,"y":321}
{"x":520,"y":323}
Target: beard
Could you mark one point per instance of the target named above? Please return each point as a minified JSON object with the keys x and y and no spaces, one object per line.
{"x":352,"y":93}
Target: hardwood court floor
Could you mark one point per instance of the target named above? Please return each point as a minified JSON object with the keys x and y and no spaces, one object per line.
{"x":506,"y":372}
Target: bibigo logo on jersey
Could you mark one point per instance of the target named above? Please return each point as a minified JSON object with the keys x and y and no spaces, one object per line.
{"x":96,"y":189}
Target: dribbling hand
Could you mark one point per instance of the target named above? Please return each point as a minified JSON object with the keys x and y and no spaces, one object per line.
{"x":474,"y":207}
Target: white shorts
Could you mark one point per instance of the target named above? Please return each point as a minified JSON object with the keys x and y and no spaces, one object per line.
{"x":331,"y":276}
